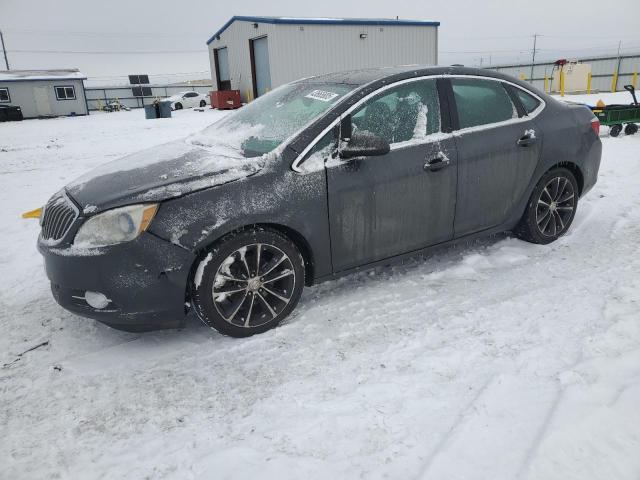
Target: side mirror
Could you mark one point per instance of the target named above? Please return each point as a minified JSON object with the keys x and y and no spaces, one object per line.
{"x":364,"y":144}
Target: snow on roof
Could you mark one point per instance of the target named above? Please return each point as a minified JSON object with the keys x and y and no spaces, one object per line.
{"x":26,"y":75}
{"x":326,"y":21}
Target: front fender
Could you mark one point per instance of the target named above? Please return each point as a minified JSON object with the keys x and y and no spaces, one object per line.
{"x":294,"y":201}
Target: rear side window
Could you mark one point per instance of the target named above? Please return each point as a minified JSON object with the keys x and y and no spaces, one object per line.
{"x":529,"y":102}
{"x":4,"y":95}
{"x":481,"y":102}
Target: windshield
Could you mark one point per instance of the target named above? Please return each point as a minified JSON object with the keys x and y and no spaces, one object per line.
{"x":262,"y":125}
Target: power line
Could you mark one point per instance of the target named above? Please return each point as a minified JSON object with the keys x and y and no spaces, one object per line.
{"x":111,"y":52}
{"x":102,"y":34}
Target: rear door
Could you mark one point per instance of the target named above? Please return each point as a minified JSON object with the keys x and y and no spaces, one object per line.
{"x":498,"y":150}
{"x":382,"y":206}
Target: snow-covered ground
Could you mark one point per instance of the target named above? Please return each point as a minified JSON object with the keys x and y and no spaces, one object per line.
{"x":495,"y":360}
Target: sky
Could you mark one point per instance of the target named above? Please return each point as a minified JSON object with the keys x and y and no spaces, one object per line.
{"x":108,"y":40}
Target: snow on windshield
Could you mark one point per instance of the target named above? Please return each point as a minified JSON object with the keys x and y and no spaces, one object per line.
{"x":264,"y":124}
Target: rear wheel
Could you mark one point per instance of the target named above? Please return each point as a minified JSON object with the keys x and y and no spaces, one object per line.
{"x":203,"y":103}
{"x":178,"y":106}
{"x":248,"y":282}
{"x":615,"y":130}
{"x":551,"y":208}
{"x":630,"y":129}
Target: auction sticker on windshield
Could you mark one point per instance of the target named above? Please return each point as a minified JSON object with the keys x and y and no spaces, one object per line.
{"x":322,"y":95}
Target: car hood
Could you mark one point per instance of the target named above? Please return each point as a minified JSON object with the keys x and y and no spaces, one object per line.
{"x":165,"y":171}
{"x":174,"y":98}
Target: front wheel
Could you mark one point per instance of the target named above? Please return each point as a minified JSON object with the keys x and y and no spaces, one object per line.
{"x":551,"y":208}
{"x":248,"y":282}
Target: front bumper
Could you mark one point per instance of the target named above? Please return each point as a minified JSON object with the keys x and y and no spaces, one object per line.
{"x":145,"y":280}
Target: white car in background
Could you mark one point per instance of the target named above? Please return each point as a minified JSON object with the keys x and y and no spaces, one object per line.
{"x":188,"y":99}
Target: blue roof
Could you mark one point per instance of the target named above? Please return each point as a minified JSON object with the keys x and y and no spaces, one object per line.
{"x":325,"y":21}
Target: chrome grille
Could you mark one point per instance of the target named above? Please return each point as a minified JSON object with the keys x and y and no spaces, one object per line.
{"x":59,"y":214}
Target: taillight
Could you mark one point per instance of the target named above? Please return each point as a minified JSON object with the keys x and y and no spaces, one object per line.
{"x":595,"y":125}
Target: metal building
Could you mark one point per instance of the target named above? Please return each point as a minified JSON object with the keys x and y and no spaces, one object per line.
{"x":256,"y":54}
{"x":44,"y":93}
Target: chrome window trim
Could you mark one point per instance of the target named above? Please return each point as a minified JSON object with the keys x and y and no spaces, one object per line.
{"x":438,"y":135}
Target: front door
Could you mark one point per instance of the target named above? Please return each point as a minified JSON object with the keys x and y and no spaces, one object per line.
{"x":260,"y":66}
{"x":41,"y":96}
{"x":395,"y":203}
{"x":498,"y":152}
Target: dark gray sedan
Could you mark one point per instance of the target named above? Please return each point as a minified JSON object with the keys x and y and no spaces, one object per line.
{"x":314,"y":180}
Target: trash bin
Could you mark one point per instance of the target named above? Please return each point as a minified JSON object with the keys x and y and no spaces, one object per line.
{"x":158,"y":110}
{"x":151,"y":111}
{"x":165,"y":109}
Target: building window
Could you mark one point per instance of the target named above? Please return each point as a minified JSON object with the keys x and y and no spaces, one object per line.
{"x":67,"y":92}
{"x":4,"y":95}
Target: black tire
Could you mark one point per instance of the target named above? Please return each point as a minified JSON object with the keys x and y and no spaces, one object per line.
{"x":551,"y":208}
{"x":178,"y":106}
{"x":203,"y":104}
{"x":232,"y":295}
{"x":615,"y":130}
{"x":630,"y":129}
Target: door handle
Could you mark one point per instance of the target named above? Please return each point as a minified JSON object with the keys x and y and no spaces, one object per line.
{"x":526,"y":140}
{"x":438,"y":163}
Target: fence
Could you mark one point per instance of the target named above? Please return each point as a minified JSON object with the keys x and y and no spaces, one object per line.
{"x":98,"y":97}
{"x":607,"y":73}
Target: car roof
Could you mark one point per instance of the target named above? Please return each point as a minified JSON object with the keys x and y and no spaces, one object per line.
{"x":387,"y":74}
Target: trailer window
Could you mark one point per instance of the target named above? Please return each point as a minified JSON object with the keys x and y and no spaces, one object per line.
{"x":4,"y":95}
{"x":66,"y":92}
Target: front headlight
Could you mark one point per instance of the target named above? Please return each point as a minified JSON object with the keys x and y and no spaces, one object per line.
{"x":115,"y":226}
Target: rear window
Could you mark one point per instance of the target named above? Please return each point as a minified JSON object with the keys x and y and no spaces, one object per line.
{"x":529,"y":102}
{"x":481,"y":102}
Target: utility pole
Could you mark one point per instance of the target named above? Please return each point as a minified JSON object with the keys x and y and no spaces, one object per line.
{"x":614,"y":83}
{"x":4,"y":50}
{"x":533,"y":56}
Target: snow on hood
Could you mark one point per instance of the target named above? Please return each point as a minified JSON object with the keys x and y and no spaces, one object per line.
{"x":161,"y":172}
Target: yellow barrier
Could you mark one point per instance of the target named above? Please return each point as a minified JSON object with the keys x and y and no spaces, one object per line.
{"x":522,"y":77}
{"x":634,"y":79}
{"x":546,"y":85}
{"x":589,"y":82}
{"x":562,"y":83}
{"x":614,"y":81}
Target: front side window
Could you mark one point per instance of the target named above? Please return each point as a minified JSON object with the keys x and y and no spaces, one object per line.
{"x":4,"y":95}
{"x":262,"y":125}
{"x":408,"y":112}
{"x":324,"y":149}
{"x":529,"y":102}
{"x":67,"y":92}
{"x":481,"y":102}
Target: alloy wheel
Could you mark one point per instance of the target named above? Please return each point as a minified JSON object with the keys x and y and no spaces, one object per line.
{"x":253,"y":285}
{"x":555,"y":207}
